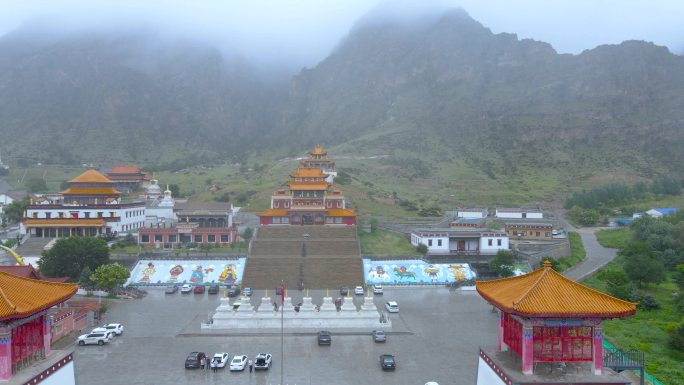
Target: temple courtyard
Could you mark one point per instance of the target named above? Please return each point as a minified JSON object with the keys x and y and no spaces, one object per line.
{"x":434,"y":337}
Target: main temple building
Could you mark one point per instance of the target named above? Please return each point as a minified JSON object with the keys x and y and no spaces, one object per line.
{"x":309,"y":198}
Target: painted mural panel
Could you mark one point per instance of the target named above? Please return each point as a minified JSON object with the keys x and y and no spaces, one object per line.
{"x":167,"y":272}
{"x":416,"y":271}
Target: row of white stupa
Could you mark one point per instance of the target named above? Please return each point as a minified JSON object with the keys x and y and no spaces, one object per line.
{"x":242,"y":315}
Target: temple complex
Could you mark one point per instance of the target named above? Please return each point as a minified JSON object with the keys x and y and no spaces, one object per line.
{"x":25,"y":328}
{"x":90,"y":206}
{"x":128,"y":178}
{"x":310,"y":198}
{"x":550,"y":331}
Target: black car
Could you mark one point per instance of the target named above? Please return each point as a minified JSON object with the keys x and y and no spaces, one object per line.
{"x":233,"y":291}
{"x":194,"y":359}
{"x":344,"y":291}
{"x":324,"y":338}
{"x":213,"y":289}
{"x":387,"y":362}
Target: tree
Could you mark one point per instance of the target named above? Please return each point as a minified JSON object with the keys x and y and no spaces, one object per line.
{"x":15,"y":210}
{"x":422,"y":249}
{"x":110,"y":276}
{"x":35,"y":184}
{"x":69,"y":256}
{"x":374,"y":225}
{"x":617,"y":283}
{"x":248,"y":234}
{"x":641,"y":264}
{"x":206,"y":247}
{"x":84,"y":280}
{"x":678,"y":276}
{"x":175,"y":190}
{"x":503,"y":263}
{"x":677,"y":338}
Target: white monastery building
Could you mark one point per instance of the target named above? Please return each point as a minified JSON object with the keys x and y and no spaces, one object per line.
{"x":460,"y":241}
{"x":519,"y":213}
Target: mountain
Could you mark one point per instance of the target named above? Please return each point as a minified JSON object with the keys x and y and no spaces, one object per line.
{"x":454,"y":109}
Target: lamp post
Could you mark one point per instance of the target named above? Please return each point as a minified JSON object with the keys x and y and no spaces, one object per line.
{"x":282,"y":344}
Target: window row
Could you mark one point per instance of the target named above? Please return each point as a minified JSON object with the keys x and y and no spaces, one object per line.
{"x":197,"y":238}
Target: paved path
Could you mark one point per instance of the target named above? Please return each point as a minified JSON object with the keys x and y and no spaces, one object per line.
{"x":597,"y":256}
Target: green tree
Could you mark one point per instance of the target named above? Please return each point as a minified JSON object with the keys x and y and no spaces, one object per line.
{"x":248,"y":234}
{"x":503,"y":263}
{"x":206,"y":247}
{"x":422,"y":249}
{"x":15,"y":210}
{"x":677,"y":338}
{"x":175,"y":190}
{"x":84,"y":279}
{"x":584,"y":217}
{"x":69,"y":256}
{"x":641,"y":264}
{"x":678,"y":276}
{"x":374,"y":225}
{"x":35,"y":184}
{"x":617,"y":283}
{"x":110,"y":276}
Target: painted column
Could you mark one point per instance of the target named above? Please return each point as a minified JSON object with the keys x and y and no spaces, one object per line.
{"x":47,"y":335}
{"x":5,"y":353}
{"x":501,"y":331}
{"x":527,"y":349}
{"x":597,"y":355}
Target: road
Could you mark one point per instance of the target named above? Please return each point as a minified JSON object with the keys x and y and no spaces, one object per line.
{"x":597,"y":256}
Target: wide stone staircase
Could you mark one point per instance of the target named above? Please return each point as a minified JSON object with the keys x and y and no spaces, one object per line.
{"x":320,"y":257}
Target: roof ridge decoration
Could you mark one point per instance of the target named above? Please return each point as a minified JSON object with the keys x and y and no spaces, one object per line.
{"x":534,"y":286}
{"x":4,"y":298}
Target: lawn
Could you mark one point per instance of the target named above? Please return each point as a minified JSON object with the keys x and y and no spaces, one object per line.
{"x":381,"y":242}
{"x":577,"y":252}
{"x":615,"y":238}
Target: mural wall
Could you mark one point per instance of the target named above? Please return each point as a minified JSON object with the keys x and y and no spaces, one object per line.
{"x":415,"y":271}
{"x":167,"y":272}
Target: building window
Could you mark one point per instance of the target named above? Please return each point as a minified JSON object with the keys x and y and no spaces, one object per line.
{"x":145,"y":238}
{"x":99,"y":214}
{"x":87,"y":214}
{"x":198,"y":238}
{"x":225,"y":238}
{"x":498,"y":242}
{"x":211,"y":238}
{"x":172,"y":238}
{"x":34,"y":215}
{"x":112,"y":214}
{"x":286,"y":219}
{"x":61,"y":215}
{"x":48,"y":215}
{"x":276,"y":220}
{"x":276,"y":204}
{"x":429,"y":242}
{"x":537,"y":233}
{"x":439,"y":242}
{"x":158,"y":238}
{"x":338,"y":219}
{"x":490,"y":242}
{"x":547,"y":234}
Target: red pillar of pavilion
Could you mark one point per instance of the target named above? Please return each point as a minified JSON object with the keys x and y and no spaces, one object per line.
{"x":545,"y":317}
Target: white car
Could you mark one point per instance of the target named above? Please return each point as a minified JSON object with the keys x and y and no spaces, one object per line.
{"x":116,"y":328}
{"x":186,"y":289}
{"x":238,"y":363}
{"x":219,"y":360}
{"x":392,"y":307}
{"x":93,"y":338}
{"x":358,"y":290}
{"x":110,"y":334}
{"x":377,"y":289}
{"x":262,"y":361}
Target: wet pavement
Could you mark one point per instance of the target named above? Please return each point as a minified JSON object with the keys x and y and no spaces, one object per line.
{"x":435,"y":337}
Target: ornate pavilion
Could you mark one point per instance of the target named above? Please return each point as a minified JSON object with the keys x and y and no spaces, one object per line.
{"x":25,"y":327}
{"x":310,"y":198}
{"x":549,"y":320}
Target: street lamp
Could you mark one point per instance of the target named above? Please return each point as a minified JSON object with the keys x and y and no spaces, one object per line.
{"x":282,"y":314}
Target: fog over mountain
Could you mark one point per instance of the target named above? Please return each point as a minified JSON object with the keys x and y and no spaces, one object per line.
{"x":405,"y":79}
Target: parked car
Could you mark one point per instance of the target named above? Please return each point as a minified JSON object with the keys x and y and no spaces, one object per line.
{"x":116,"y":328}
{"x":344,"y":290}
{"x":358,"y":290}
{"x":377,"y":289}
{"x":219,"y":360}
{"x":247,"y":291}
{"x":171,"y":289}
{"x":387,"y":362}
{"x":324,"y":337}
{"x":186,"y":289}
{"x":193,"y":360}
{"x":93,"y":338}
{"x":392,"y":307}
{"x":233,"y":291}
{"x":213,"y":289}
{"x":262,"y":361}
{"x":238,"y":363}
{"x":199,"y":289}
{"x":379,"y":336}
{"x":108,"y":333}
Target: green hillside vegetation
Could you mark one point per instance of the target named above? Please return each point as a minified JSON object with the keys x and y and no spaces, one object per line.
{"x":649,"y":269}
{"x":382,"y":242}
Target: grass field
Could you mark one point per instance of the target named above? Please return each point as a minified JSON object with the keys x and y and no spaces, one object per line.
{"x":614,"y":238}
{"x":381,"y":242}
{"x":577,"y":252}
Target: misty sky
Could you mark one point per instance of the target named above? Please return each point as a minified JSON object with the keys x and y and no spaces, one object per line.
{"x":306,"y":30}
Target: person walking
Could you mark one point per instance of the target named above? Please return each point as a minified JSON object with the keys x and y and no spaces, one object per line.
{"x":250,"y":366}
{"x":203,"y":362}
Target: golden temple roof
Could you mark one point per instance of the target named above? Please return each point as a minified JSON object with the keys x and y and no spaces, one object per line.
{"x":91,"y":176}
{"x":22,"y":297}
{"x":341,"y":213}
{"x":272,"y":213}
{"x":64,"y":222}
{"x":91,"y":191}
{"x":546,"y":293}
{"x":318,"y":150}
{"x":309,"y":185}
{"x":308,"y":172}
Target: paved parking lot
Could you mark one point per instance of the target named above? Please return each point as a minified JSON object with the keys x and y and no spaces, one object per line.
{"x":435,"y":337}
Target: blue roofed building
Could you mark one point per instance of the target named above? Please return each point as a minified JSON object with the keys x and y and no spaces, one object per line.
{"x":662,"y":211}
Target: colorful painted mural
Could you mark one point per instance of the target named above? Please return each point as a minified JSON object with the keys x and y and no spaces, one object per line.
{"x":415,"y":272}
{"x":165,"y":272}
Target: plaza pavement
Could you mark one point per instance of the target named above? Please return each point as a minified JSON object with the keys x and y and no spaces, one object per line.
{"x":435,"y":337}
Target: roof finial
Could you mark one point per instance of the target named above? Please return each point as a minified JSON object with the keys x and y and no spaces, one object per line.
{"x":548,"y":264}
